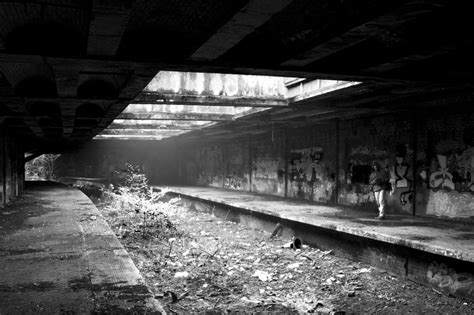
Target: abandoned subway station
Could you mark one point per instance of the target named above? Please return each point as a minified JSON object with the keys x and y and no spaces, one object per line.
{"x":282,"y":116}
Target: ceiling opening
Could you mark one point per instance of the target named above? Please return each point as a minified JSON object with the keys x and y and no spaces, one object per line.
{"x":174,"y":103}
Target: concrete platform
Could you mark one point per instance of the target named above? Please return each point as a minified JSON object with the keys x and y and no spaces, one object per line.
{"x":59,"y":256}
{"x":436,"y":236}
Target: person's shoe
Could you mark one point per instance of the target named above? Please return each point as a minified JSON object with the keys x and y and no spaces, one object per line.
{"x":380,"y":217}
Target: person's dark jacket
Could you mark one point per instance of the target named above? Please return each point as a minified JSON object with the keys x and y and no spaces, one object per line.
{"x":378,"y":181}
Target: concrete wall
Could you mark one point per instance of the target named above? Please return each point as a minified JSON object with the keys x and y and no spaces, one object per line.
{"x":430,"y":153}
{"x":102,"y":158}
{"x":11,"y":168}
{"x":387,"y":140}
{"x":429,"y":156}
{"x":445,"y":165}
{"x":218,"y":165}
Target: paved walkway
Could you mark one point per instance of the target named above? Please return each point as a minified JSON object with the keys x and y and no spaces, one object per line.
{"x":437,"y":236}
{"x":59,"y":256}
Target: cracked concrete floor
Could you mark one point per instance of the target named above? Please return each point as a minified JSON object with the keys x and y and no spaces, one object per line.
{"x":58,"y":255}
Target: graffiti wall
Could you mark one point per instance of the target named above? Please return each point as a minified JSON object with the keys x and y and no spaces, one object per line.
{"x":446,"y":158}
{"x":432,"y":175}
{"x":268,"y":164}
{"x":236,"y":175}
{"x":308,"y":175}
{"x":387,"y":141}
{"x":312,"y":164}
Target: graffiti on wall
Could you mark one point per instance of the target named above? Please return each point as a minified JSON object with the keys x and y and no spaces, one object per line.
{"x":400,"y":173}
{"x":304,"y":163}
{"x":450,"y":184}
{"x":233,"y":182}
{"x":266,"y":168}
{"x":363,"y":155}
{"x":465,"y":162}
{"x":452,"y":171}
{"x":211,"y":153}
{"x":310,"y":178}
{"x":441,"y":178}
{"x":401,"y":178}
{"x":450,"y":203}
{"x":356,"y":189}
{"x":450,"y":281}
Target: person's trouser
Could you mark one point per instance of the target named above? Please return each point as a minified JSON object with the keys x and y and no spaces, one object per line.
{"x":380,"y":200}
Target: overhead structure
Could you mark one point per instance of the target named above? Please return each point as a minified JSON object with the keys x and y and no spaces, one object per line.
{"x":176,"y":103}
{"x":69,"y":68}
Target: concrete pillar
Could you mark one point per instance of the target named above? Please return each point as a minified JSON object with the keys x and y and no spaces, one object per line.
{"x":11,"y":167}
{"x":3,"y":187}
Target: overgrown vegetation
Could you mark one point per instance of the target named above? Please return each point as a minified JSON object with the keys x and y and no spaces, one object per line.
{"x":41,"y":167}
{"x":138,"y":209}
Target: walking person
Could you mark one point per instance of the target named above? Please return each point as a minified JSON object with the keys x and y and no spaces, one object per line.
{"x":379,"y":181}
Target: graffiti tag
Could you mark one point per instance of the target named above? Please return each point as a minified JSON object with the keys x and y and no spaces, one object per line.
{"x":449,"y":280}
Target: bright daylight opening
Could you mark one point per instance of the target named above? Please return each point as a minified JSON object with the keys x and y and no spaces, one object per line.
{"x":175,"y":103}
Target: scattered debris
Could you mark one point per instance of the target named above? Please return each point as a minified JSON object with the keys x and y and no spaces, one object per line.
{"x":296,"y":244}
{"x":262,"y":275}
{"x":328,"y":252}
{"x":294,"y":265}
{"x":182,"y":274}
{"x":276,"y":230}
{"x":231,"y":268}
{"x":8,"y":212}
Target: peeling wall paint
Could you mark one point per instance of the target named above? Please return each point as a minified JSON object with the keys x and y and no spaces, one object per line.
{"x":217,"y":84}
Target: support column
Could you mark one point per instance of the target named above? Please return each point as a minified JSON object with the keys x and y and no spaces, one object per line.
{"x":336,"y":198}
{"x":287,"y":160}
{"x":4,"y":165}
{"x":249,"y":140}
{"x":415,"y":149}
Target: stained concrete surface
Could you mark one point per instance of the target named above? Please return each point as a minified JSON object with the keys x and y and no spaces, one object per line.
{"x":58,"y":255}
{"x":441,"y":237}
